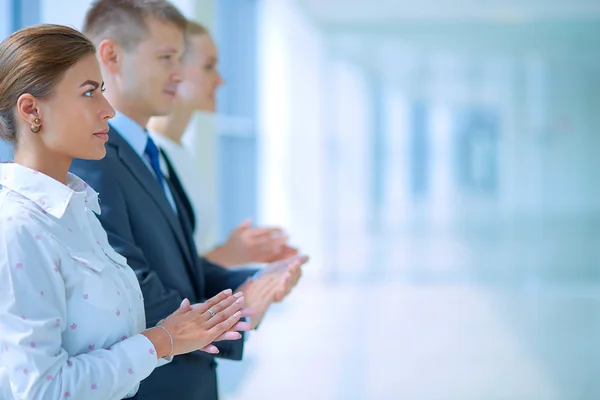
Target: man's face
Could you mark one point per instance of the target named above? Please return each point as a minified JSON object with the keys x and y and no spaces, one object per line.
{"x":150,"y":73}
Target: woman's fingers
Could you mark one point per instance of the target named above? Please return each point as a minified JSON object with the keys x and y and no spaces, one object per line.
{"x":264,"y":234}
{"x":229,"y":335}
{"x":248,"y":312}
{"x":285,"y":253}
{"x":226,"y":324}
{"x":269,"y":246}
{"x":212,"y":349}
{"x":242,"y":326}
{"x":183,"y":307}
{"x":213,"y":301}
{"x":225,"y":314}
{"x":223,"y":305}
{"x":266,"y":284}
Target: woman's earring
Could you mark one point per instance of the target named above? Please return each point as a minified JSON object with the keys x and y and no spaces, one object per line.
{"x":36,"y":128}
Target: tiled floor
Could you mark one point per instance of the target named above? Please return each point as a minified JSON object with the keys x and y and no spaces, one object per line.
{"x":387,"y":335}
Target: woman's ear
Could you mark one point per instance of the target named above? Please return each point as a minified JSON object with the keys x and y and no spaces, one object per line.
{"x":28,"y":109}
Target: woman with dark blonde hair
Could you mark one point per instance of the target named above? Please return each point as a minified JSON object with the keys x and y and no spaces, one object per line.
{"x":72,"y":321}
{"x":196,"y":92}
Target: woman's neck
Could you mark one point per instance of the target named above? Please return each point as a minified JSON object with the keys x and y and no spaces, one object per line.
{"x":172,"y":126}
{"x":54,"y":167}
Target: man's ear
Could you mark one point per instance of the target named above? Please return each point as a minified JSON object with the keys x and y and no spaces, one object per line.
{"x":110,"y":55}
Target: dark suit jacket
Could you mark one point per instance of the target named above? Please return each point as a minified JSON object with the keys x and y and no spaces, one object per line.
{"x":158,"y":245}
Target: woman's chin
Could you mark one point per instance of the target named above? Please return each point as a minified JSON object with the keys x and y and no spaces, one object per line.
{"x":96,"y":154}
{"x":207,"y":106}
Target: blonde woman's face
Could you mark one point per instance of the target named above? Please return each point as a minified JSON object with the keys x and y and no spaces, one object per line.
{"x":201,"y":79}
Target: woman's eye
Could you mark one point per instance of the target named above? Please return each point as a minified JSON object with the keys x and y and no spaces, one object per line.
{"x":89,"y":93}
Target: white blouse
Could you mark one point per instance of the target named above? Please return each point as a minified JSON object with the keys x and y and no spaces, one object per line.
{"x":187,"y":167}
{"x":71,"y":309}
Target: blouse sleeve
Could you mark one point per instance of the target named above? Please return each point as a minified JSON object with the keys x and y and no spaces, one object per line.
{"x":31,"y":323}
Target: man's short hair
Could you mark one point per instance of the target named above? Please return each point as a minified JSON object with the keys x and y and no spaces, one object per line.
{"x":124,"y":21}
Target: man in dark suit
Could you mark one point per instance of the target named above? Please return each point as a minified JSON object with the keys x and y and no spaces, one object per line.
{"x":139,"y":44}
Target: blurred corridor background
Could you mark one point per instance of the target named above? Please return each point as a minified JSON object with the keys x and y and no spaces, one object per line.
{"x":439,"y":162}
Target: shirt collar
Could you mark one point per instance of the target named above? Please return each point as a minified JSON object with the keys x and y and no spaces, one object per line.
{"x":131,"y":131}
{"x":49,"y":194}
{"x":164,"y":141}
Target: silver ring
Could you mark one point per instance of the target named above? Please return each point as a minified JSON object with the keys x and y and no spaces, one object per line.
{"x":211,"y":312}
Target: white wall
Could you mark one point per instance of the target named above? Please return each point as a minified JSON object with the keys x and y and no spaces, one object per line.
{"x":292,"y":63}
{"x":351,"y":125}
{"x":396,"y":196}
{"x":201,"y":138}
{"x":5,"y":151}
{"x":5,"y":18}
{"x":64,"y":12}
{"x":72,"y":13}
{"x":570,"y":144}
{"x":548,"y":142}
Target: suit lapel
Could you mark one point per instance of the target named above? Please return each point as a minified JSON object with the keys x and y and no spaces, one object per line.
{"x":140,"y":171}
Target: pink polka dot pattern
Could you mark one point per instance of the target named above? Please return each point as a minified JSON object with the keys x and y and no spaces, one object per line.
{"x":83,"y":324}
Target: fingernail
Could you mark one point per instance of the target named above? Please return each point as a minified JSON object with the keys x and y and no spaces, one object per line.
{"x":237,"y":314}
{"x":227,"y":292}
{"x":239,"y":294}
{"x":239,"y":335}
{"x":240,"y":300}
{"x":183,"y":302}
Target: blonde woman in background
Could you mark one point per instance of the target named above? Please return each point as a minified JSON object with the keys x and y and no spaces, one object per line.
{"x":196,"y":92}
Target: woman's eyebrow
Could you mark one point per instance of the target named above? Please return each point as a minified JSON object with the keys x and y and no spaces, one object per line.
{"x":95,"y":84}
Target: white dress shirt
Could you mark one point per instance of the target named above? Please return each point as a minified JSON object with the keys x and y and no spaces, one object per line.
{"x":71,"y":309}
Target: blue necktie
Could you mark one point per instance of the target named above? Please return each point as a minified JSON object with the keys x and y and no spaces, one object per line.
{"x":152,"y":152}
